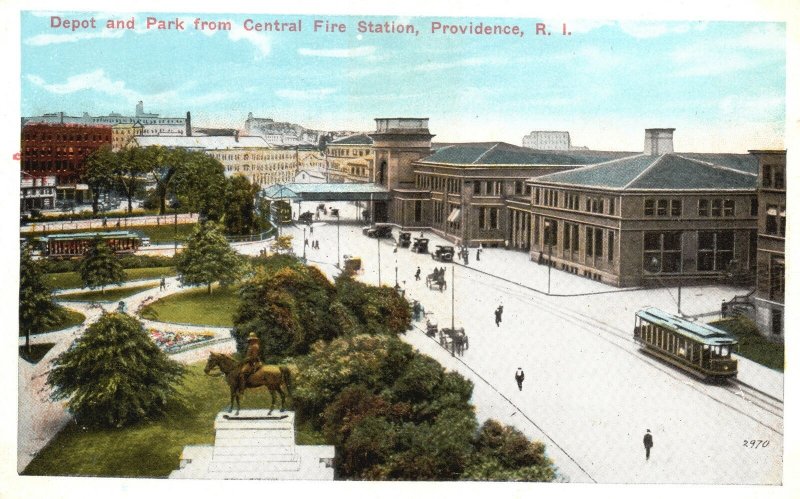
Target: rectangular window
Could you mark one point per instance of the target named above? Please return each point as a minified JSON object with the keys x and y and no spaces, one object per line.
{"x":611,"y":206}
{"x":598,"y":242}
{"x":716,"y":207}
{"x":777,"y":178}
{"x":776,"y":279}
{"x":494,"y":222}
{"x":714,"y":250}
{"x":611,"y":246}
{"x":766,"y":176}
{"x":662,"y":252}
{"x":417,"y":211}
{"x":728,"y":207}
{"x":551,"y":232}
{"x":676,"y":208}
{"x":782,"y":222}
{"x":518,"y":187}
{"x":771,"y":226}
{"x":567,"y":236}
{"x":754,"y":207}
{"x":589,"y":241}
{"x":662,"y":208}
{"x":536,"y":196}
{"x":482,"y":218}
{"x":702,"y":208}
{"x":477,"y":187}
{"x":649,"y":207}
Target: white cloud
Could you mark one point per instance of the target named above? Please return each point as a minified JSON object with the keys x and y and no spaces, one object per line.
{"x":95,"y":80}
{"x":314,"y":93}
{"x":763,"y":37}
{"x":260,"y":41}
{"x":364,"y":51}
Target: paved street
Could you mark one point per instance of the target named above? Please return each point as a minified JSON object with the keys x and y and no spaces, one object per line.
{"x":589,"y":393}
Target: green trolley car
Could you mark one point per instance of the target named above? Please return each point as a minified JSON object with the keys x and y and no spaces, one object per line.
{"x":700,"y":349}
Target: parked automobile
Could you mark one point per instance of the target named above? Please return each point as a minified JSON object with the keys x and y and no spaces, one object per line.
{"x":443,"y":253}
{"x":306,"y":218}
{"x":378,"y":230}
{"x":404,"y":239}
{"x":420,"y":245}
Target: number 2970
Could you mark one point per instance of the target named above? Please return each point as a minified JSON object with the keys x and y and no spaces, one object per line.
{"x":755,"y":444}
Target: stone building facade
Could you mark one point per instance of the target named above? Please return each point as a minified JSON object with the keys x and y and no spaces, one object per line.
{"x":771,"y":248}
{"x":350,"y":159}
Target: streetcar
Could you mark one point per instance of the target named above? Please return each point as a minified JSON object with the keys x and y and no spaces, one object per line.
{"x":700,"y":349}
{"x":75,"y":245}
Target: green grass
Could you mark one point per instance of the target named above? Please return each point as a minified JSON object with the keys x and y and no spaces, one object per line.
{"x":157,"y":233}
{"x":110,"y":295}
{"x":68,"y":318}
{"x":149,"y":449}
{"x":37,"y":352}
{"x":196,"y":306}
{"x":70,"y":280}
{"x":751,"y":344}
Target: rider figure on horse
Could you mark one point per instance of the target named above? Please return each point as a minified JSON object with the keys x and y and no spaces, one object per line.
{"x":251,"y":362}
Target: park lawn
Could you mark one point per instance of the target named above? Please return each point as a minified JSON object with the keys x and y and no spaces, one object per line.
{"x":68,"y":317}
{"x":150,"y":449}
{"x":71,"y":280}
{"x":196,"y":306}
{"x":158,"y":234}
{"x":751,"y":344}
{"x":110,"y":295}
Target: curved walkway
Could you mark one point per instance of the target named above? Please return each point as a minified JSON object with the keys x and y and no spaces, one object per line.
{"x":39,"y":418}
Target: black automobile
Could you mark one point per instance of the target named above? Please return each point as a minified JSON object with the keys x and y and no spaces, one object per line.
{"x":378,"y":231}
{"x":306,"y":218}
{"x":443,"y":253}
{"x":404,"y":239}
{"x":420,"y":245}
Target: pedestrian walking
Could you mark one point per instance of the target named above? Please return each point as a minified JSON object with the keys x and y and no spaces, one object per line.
{"x":498,"y":316}
{"x":306,"y":242}
{"x":466,"y":256}
{"x":478,"y":254}
{"x":520,"y":377}
{"x":648,"y":444}
{"x":163,"y":285}
{"x":311,"y":228}
{"x":416,"y":276}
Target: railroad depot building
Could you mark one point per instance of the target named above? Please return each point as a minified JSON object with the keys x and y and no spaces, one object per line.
{"x":656,"y":217}
{"x":771,"y":257}
{"x":350,"y":159}
{"x":624,"y":218}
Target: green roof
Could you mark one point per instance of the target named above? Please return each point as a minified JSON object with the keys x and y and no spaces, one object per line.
{"x":327,"y":192}
{"x":361,"y":139}
{"x":502,"y":153}
{"x":747,"y":163}
{"x":697,"y":331}
{"x":664,"y":172}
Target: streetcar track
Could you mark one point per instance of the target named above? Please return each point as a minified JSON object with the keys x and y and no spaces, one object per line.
{"x":579,"y":319}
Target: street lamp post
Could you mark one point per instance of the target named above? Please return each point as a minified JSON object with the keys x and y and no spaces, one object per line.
{"x":337,"y":241}
{"x":175,"y":205}
{"x":549,"y":236}
{"x":379,"y":260}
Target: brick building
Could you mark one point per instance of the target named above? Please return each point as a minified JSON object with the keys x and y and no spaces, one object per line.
{"x":60,"y":150}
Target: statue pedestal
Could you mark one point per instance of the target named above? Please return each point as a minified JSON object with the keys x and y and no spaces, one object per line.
{"x":254,"y":445}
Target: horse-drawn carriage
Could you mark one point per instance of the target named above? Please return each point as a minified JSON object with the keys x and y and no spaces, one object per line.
{"x":404,"y":239}
{"x":454,"y":339}
{"x":420,"y":245}
{"x":436,"y":279}
{"x":443,"y":253}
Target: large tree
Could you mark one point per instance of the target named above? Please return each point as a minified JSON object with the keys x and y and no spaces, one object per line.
{"x":114,"y":375}
{"x":37,"y":310}
{"x":99,"y":175}
{"x":129,"y":171}
{"x":199,"y":184}
{"x":208,"y":258}
{"x":240,"y":206}
{"x":99,"y":267}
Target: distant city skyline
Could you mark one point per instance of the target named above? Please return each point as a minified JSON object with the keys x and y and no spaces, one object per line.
{"x":720,"y":84}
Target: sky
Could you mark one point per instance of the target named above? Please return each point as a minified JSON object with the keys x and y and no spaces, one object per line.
{"x":720,"y":84}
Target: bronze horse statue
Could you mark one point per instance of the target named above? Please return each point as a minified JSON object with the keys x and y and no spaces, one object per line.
{"x":271,"y":376}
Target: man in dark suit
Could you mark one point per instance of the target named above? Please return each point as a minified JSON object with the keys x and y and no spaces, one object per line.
{"x":648,"y":443}
{"x":520,"y":377}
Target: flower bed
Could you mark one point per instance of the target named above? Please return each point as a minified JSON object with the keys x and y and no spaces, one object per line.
{"x":173,"y":342}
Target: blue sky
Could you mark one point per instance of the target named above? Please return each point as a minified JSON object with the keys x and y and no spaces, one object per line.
{"x":720,"y":84}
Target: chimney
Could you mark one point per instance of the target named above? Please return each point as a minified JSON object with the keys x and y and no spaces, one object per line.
{"x":188,"y":124}
{"x":658,"y":141}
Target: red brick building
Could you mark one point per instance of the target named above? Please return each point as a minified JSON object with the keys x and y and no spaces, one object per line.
{"x":60,"y":150}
